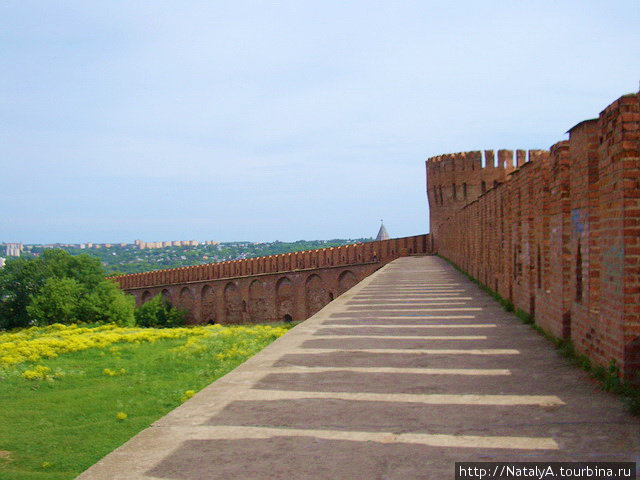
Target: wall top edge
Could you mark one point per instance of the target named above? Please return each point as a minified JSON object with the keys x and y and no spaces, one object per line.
{"x":476,"y":154}
{"x":581,"y":124}
{"x":562,"y":144}
{"x":253,"y":275}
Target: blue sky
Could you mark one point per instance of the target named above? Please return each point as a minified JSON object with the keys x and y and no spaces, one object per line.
{"x":251,"y":120}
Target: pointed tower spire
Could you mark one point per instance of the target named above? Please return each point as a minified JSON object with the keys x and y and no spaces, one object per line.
{"x":382,"y":233}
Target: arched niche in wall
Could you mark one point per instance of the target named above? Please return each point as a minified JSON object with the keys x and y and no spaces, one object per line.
{"x":167,"y":295}
{"x":146,"y":296}
{"x":316,"y":294}
{"x":284,"y":299}
{"x":232,"y":304}
{"x":258,"y":302}
{"x":187,"y":303}
{"x":208,"y":305}
{"x":346,"y":280}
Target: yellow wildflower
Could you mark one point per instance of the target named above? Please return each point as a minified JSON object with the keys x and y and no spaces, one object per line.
{"x":187,"y":395}
{"x":34,"y":343}
{"x":40,"y":372}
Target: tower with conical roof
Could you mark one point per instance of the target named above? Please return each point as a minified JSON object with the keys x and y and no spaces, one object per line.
{"x":382,"y":233}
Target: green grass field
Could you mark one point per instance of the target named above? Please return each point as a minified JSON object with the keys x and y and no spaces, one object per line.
{"x":58,"y":424}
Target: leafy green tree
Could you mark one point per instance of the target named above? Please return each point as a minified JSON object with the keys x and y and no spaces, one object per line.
{"x":107,"y":303}
{"x":158,"y":312}
{"x":19,"y":280}
{"x":56,"y":302}
{"x":59,"y":287}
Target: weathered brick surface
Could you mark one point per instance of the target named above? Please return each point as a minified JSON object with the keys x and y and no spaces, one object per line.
{"x":290,"y":286}
{"x":557,"y":232}
{"x":585,"y":260}
{"x":552,"y":300}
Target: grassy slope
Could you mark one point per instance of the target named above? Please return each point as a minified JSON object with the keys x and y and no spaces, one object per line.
{"x":71,"y":423}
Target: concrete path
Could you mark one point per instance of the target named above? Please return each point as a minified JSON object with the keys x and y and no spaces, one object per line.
{"x":408,"y":372}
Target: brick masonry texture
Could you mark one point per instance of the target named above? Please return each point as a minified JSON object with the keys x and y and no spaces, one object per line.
{"x":556,"y":232}
{"x":285,"y":287}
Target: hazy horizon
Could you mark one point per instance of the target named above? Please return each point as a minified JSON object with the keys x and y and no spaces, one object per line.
{"x":131,"y":242}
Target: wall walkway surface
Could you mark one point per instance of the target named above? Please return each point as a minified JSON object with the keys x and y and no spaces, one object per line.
{"x":556,"y":232}
{"x":413,"y":369}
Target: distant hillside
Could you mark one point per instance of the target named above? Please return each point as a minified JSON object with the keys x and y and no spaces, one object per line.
{"x":131,"y":259}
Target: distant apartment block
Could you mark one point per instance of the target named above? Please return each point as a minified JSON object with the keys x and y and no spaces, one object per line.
{"x":171,"y":243}
{"x":13,"y":249}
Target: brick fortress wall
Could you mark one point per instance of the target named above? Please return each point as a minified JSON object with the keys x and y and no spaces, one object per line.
{"x":290,"y":286}
{"x":556,"y":232}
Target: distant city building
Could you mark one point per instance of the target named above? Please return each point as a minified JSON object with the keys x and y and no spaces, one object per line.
{"x":382,"y":233}
{"x":13,"y":249}
{"x":170,"y":243}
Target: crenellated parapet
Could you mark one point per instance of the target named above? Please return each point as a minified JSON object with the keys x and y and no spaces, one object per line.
{"x":460,"y":178}
{"x":557,"y":233}
{"x":369,"y":252}
{"x":455,"y":180}
{"x":287,"y":287}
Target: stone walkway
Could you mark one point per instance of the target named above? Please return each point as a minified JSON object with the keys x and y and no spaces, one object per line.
{"x":407,"y":373}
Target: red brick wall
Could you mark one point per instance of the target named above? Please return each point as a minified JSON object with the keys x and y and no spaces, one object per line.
{"x":619,"y":235}
{"x":266,"y":289}
{"x":551,"y":227}
{"x":465,"y":172}
{"x":584,"y":264}
{"x":559,"y":234}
